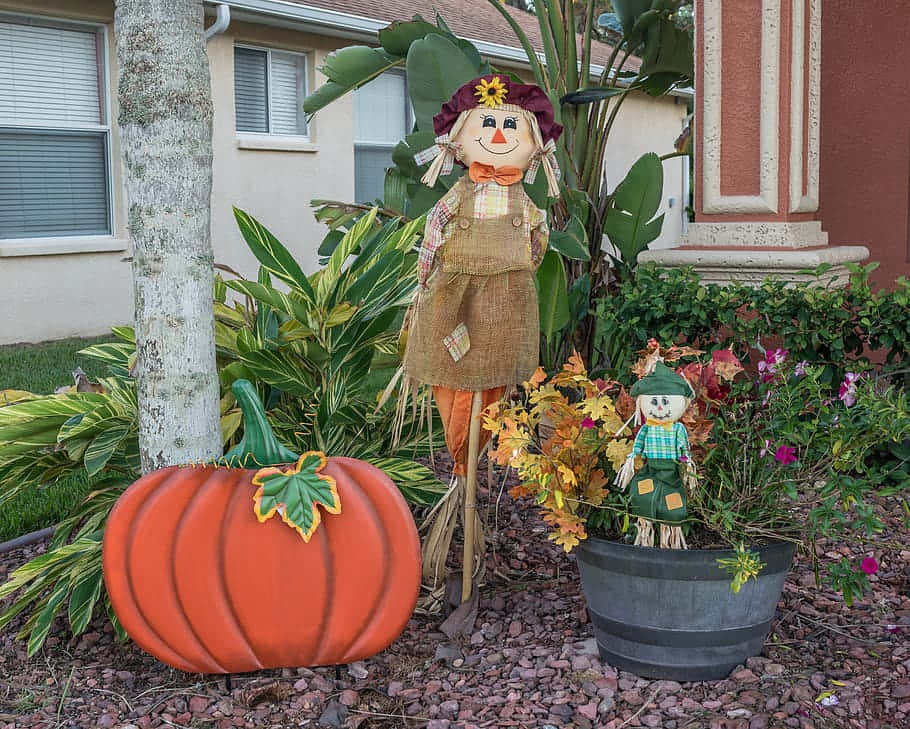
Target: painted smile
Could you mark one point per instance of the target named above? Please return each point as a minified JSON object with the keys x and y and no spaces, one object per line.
{"x":508,"y":151}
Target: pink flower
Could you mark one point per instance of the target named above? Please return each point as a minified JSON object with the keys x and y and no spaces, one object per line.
{"x":847,"y":392}
{"x":766,"y":449}
{"x":800,"y":369}
{"x":767,"y":368}
{"x":785,"y":455}
{"x":869,"y":565}
{"x":587,"y":423}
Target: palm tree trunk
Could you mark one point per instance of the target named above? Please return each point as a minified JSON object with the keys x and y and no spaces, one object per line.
{"x":165,"y":120}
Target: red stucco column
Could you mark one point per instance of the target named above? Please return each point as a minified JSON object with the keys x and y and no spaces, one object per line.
{"x":757,"y":140}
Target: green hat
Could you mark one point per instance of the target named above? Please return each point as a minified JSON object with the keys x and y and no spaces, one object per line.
{"x":662,"y":381}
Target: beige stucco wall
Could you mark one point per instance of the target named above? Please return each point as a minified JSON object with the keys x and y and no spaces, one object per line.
{"x":85,"y":292}
{"x":645,"y":124}
{"x":276,"y":186}
{"x":81,"y":293}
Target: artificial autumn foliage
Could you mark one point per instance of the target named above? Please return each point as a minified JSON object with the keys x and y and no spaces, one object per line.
{"x":566,"y":440}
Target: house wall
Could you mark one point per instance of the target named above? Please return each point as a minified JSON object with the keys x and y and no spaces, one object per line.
{"x":75,"y":289}
{"x":865,"y":147}
{"x":645,"y":124}
{"x":83,"y":291}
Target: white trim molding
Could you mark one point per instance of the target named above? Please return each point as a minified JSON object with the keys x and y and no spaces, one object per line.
{"x":803,"y":41}
{"x":754,"y":266}
{"x":769,"y":134}
{"x":770,"y":234}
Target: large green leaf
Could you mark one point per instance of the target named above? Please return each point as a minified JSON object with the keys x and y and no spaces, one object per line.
{"x":636,"y":200}
{"x":83,"y":599}
{"x":571,"y":242}
{"x":416,"y":482}
{"x":103,"y":445}
{"x":436,"y":69}
{"x":668,"y":50}
{"x":346,"y":69}
{"x":280,"y":370}
{"x":591,"y":95}
{"x":553,"y":297}
{"x":272,"y":255}
{"x":273,"y":297}
{"x":397,"y":38}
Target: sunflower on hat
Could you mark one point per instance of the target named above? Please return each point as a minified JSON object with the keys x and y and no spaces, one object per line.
{"x":492,"y":93}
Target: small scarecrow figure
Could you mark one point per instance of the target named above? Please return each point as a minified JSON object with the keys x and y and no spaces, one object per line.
{"x":473,"y":330}
{"x":658,"y":490}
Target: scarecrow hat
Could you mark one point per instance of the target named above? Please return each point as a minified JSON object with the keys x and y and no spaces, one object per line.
{"x":494,"y":91}
{"x":662,"y":381}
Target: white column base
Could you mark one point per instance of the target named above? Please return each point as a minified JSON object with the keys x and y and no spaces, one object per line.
{"x":751,"y":266}
{"x":772,"y":234}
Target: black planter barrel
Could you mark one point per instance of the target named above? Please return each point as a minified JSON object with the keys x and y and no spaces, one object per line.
{"x":670,"y":613}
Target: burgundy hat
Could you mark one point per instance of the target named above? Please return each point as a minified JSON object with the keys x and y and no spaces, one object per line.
{"x":527,"y":96}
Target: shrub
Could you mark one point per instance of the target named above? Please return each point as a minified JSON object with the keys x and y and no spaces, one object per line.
{"x":842,"y":329}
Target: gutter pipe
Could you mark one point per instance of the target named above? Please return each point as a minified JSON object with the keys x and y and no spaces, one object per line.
{"x":222,"y":21}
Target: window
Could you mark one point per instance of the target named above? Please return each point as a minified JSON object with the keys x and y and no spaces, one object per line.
{"x":54,"y":133}
{"x":382,"y":118}
{"x":269,"y":89}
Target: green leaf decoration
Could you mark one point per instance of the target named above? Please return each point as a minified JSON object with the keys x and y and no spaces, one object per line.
{"x":296,"y":493}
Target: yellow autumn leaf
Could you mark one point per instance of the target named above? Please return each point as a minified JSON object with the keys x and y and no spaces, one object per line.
{"x":618,"y":451}
{"x":598,"y":407}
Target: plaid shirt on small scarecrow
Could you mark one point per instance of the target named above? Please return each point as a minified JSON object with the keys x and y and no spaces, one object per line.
{"x":659,"y":440}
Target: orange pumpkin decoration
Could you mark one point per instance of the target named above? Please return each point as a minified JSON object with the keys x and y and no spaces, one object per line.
{"x":197,"y":581}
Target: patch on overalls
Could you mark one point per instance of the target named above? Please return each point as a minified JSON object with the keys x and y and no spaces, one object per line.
{"x":673,"y":501}
{"x":645,"y":486}
{"x":458,"y":342}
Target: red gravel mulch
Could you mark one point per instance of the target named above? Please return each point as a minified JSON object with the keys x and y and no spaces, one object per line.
{"x":531,"y":662}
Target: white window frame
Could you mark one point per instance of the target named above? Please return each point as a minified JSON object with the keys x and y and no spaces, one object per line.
{"x":409,"y":119}
{"x":249,"y":139}
{"x":78,"y":242}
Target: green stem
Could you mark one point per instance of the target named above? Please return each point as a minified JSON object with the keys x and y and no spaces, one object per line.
{"x":259,"y":446}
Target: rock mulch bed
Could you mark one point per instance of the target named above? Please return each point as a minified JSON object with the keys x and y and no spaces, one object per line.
{"x":531,"y":662}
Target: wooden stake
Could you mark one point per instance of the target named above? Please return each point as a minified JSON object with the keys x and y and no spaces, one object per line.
{"x":470,"y":497}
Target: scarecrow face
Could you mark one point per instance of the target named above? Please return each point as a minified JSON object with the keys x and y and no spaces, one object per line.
{"x":663,"y":408}
{"x":496,"y":137}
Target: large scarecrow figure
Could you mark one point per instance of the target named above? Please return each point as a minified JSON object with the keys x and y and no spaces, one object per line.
{"x":473,"y":330}
{"x":658,"y":489}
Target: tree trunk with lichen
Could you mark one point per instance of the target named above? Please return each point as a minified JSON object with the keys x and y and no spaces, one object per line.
{"x":165,"y":123}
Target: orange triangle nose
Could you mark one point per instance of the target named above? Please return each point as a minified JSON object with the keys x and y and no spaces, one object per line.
{"x":499,"y":138}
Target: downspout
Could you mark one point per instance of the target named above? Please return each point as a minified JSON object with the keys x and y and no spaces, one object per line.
{"x":222,"y":21}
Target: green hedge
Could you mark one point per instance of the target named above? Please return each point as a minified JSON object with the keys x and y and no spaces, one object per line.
{"x":842,"y":328}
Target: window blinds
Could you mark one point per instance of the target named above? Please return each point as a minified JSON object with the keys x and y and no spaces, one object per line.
{"x":53,"y":145}
{"x":52,"y":183}
{"x":251,"y":88}
{"x":269,"y":88}
{"x":48,"y":76}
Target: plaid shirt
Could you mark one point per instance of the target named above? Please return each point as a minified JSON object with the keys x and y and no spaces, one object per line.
{"x":490,"y":200}
{"x":656,"y":441}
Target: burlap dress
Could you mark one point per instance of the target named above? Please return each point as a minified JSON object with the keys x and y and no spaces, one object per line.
{"x":484,"y":279}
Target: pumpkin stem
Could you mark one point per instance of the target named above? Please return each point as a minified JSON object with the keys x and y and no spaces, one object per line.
{"x":259,"y":446}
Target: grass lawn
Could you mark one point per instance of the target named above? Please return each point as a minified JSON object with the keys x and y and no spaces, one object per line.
{"x":42,"y":368}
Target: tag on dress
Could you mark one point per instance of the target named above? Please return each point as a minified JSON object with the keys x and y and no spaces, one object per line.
{"x":458,"y":342}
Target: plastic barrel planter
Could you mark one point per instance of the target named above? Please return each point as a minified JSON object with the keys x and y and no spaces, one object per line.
{"x":670,"y":613}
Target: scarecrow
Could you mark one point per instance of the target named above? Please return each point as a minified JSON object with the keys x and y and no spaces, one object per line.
{"x":658,"y":489}
{"x":473,"y":329}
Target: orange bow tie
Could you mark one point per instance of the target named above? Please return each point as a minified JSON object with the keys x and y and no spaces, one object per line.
{"x":505,"y":175}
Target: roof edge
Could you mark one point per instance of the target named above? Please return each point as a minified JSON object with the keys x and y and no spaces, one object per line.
{"x":361,"y":27}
